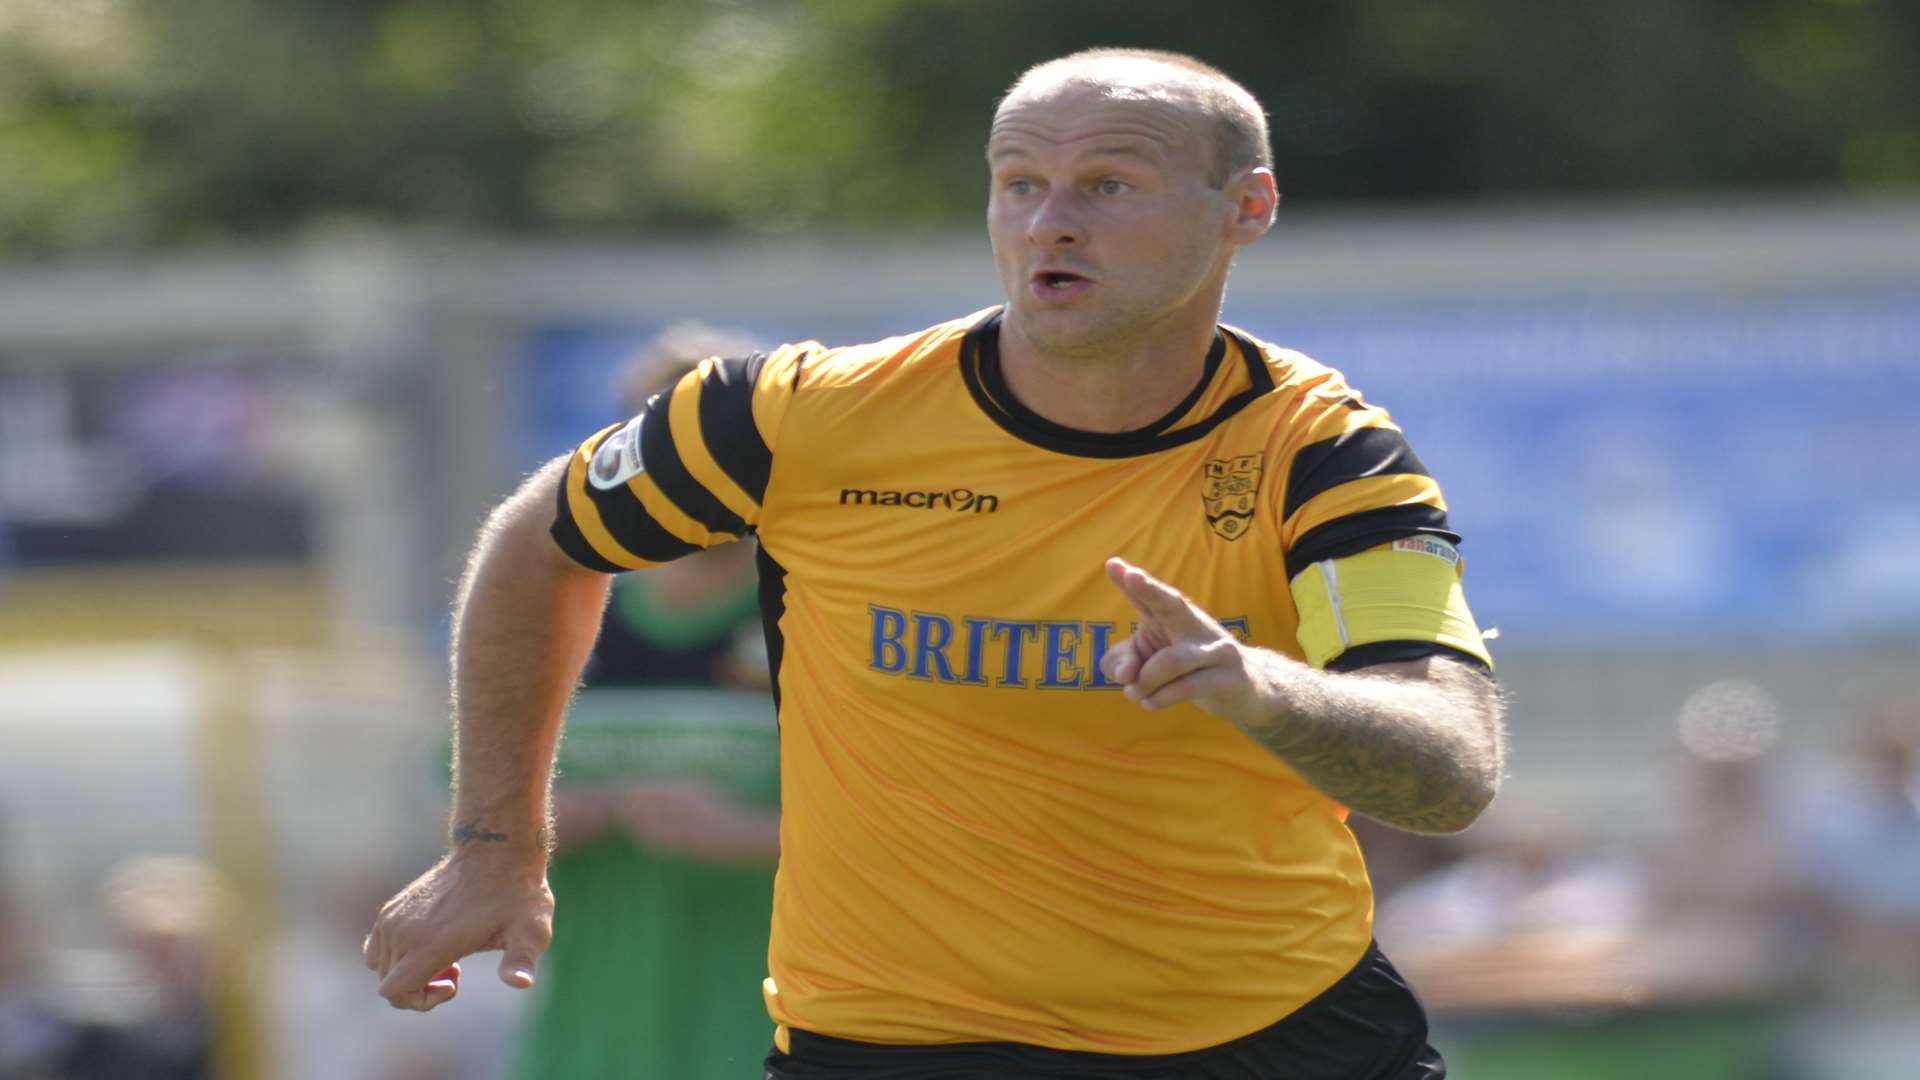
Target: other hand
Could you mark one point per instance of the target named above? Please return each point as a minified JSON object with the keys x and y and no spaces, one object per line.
{"x":464,"y":905}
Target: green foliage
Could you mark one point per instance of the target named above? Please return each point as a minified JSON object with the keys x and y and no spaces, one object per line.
{"x":126,"y":125}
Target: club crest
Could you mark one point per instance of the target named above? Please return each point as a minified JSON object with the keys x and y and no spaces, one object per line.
{"x":1229,"y":491}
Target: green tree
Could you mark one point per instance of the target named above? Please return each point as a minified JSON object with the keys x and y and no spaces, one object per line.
{"x":129,"y":125}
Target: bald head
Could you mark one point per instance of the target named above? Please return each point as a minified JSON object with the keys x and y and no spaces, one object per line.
{"x":1236,"y":123}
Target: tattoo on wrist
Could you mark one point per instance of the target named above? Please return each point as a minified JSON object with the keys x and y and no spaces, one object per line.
{"x":473,"y":832}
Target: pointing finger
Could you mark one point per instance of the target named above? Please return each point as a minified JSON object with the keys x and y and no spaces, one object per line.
{"x":1158,"y":600}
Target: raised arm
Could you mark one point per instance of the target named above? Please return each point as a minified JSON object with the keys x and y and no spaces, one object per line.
{"x":1415,"y":744}
{"x":524,"y":622}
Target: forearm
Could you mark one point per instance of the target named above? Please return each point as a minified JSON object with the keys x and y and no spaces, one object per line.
{"x":524,"y":624}
{"x":1418,"y":745}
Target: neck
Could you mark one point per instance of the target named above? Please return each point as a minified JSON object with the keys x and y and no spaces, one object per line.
{"x":1113,"y":386}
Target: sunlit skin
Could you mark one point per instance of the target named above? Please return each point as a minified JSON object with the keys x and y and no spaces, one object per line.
{"x":1111,"y":185}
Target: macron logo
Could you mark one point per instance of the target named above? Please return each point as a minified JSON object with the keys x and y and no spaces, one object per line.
{"x":959,"y":500}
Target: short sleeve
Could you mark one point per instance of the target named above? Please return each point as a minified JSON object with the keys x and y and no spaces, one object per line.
{"x":690,"y":471}
{"x":1370,"y":554}
{"x":1353,"y":483}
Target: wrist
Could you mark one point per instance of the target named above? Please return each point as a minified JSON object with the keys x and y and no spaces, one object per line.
{"x":488,"y":839}
{"x":499,"y":864}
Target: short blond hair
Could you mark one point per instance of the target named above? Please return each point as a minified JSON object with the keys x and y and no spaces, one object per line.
{"x":1240,"y":135}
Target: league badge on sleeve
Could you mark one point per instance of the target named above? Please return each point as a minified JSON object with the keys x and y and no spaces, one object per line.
{"x":1230,"y":489}
{"x":618,"y":459}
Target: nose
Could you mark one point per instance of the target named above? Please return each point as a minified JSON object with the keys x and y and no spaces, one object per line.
{"x":1056,"y":221}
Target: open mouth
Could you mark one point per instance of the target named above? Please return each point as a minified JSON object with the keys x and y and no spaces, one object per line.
{"x":1059,"y":282}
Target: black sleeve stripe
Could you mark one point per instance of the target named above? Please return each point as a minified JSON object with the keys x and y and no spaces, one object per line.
{"x":726,"y":422}
{"x":567,"y":534}
{"x":628,"y":522}
{"x":1351,"y":455}
{"x":1388,"y":652}
{"x":1368,"y":528}
{"x":662,"y":459}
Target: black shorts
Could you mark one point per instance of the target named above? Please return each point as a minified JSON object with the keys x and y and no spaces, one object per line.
{"x":1367,"y":1026}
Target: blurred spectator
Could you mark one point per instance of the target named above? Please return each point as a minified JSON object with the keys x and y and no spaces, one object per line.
{"x":1732,"y":905}
{"x":1531,"y":915}
{"x":1862,"y":838}
{"x":666,"y":811}
{"x":1679,"y":953}
{"x":35,"y":1042}
{"x":1859,"y":834}
{"x":167,"y":909}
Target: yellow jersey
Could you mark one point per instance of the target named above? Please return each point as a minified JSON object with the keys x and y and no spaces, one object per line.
{"x":981,"y":838}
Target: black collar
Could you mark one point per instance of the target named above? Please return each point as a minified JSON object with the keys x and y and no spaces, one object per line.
{"x":980,"y":366}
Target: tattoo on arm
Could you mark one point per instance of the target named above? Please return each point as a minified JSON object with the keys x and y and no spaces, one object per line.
{"x":1426,"y":777}
{"x":1393,"y":776}
{"x":472,"y":831}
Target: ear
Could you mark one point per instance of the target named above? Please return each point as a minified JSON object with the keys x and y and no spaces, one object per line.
{"x":1255,"y":200}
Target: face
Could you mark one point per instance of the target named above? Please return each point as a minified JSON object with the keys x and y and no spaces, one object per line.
{"x":1102,"y":219}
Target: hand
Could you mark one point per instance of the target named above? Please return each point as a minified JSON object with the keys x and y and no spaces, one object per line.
{"x":462,"y":906}
{"x":689,"y":817}
{"x":1180,"y":653}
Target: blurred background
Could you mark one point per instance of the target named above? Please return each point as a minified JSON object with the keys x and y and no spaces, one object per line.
{"x":292,"y":292}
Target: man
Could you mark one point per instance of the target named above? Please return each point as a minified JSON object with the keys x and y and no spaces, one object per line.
{"x":1039,"y":819}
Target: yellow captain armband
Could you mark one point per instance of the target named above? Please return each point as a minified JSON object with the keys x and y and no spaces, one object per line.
{"x":1407,"y":590}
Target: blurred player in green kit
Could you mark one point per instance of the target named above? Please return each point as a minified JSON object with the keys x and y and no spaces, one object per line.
{"x":666,"y":805}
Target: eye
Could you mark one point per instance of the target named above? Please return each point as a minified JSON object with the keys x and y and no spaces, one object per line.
{"x":1020,"y":187}
{"x":1114,"y":187}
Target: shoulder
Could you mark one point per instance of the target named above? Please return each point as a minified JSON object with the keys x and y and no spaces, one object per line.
{"x":813,"y":367}
{"x":810,"y":384}
{"x":1298,"y":379}
{"x":1310,"y":400}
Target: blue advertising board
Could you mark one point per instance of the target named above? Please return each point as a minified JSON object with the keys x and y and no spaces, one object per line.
{"x":1672,"y":474}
